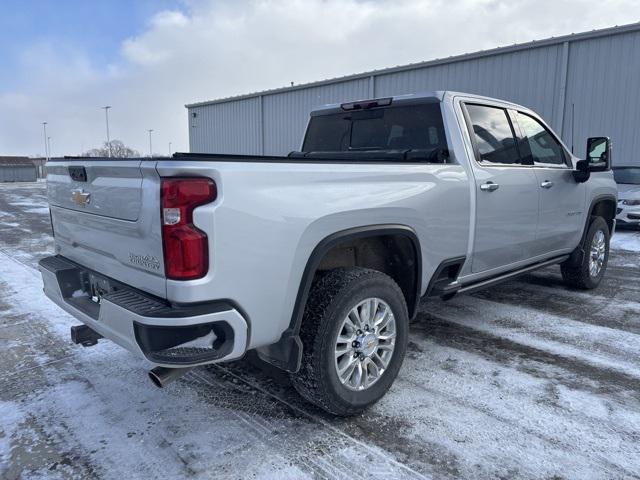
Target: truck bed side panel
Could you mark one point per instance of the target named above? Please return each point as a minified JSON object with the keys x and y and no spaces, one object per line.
{"x":269,"y":217}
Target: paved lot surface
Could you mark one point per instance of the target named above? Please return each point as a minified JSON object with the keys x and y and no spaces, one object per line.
{"x":525,"y":380}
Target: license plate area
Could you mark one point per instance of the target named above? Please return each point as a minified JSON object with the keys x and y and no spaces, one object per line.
{"x":84,"y":289}
{"x":98,"y":287}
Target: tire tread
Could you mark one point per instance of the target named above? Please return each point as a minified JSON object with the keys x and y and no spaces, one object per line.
{"x":578,"y":276}
{"x":310,"y":381}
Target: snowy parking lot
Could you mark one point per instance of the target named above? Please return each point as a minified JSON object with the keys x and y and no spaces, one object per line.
{"x":528,"y":379}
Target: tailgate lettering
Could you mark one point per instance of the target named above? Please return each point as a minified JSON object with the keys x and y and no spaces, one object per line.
{"x":146,"y":261}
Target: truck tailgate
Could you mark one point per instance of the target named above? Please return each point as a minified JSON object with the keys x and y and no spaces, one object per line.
{"x":106,"y":217}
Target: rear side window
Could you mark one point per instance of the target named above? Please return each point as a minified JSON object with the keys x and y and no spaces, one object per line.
{"x":493,"y":135}
{"x":538,"y":146}
{"x":415,"y":127}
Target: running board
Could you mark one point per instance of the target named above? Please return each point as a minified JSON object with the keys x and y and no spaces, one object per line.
{"x":510,"y":275}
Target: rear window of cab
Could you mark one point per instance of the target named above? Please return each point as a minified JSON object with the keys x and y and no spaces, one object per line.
{"x":408,"y":127}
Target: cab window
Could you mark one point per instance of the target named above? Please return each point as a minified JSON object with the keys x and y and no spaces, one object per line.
{"x":493,"y":135}
{"x":409,"y":127}
{"x":538,"y":146}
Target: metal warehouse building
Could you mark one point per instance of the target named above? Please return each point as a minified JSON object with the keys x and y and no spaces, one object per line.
{"x":17,"y":169}
{"x":585,"y":84}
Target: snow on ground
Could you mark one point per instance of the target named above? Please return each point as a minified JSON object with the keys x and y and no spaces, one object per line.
{"x":626,"y":240}
{"x":100,"y":402}
{"x":528,"y":379}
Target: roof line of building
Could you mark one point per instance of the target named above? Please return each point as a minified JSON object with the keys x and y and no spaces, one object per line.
{"x":430,"y":63}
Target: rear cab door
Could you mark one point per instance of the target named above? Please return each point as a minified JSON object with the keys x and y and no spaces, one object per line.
{"x":562,"y":199}
{"x":506,"y":190}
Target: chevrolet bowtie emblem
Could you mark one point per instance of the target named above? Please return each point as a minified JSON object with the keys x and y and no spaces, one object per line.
{"x":80,"y":197}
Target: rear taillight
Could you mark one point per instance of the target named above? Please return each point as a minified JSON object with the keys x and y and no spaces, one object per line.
{"x":186,"y":253}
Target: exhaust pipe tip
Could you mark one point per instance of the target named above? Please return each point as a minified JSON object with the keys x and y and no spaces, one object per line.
{"x":162,"y":376}
{"x":155,"y":378}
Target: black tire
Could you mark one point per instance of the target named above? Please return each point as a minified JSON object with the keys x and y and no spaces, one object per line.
{"x":578,"y":275}
{"x":331,"y":298}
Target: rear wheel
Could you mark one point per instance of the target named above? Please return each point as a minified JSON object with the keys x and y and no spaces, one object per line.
{"x":354,"y":335}
{"x":588,"y":274}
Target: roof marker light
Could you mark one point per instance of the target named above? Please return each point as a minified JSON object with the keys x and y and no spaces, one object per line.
{"x":366,"y":104}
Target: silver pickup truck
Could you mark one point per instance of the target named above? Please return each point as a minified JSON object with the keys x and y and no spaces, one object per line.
{"x":317,"y":260}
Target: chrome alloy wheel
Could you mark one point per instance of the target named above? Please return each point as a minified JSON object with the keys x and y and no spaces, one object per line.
{"x":365,"y":344}
{"x":597,"y":253}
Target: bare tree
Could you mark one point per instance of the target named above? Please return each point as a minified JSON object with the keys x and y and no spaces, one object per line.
{"x":118,"y":150}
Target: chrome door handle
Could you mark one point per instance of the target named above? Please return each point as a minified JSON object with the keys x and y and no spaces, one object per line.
{"x":546,"y":184}
{"x":489,"y":187}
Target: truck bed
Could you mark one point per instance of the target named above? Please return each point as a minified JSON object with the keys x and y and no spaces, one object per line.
{"x":260,"y":233}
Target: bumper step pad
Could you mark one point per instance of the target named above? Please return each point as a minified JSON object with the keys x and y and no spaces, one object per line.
{"x":166,"y":333}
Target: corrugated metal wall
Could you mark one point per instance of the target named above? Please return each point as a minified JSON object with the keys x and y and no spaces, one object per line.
{"x":583,"y":85}
{"x":18,"y":173}
{"x":232,"y":127}
{"x":603,"y":86}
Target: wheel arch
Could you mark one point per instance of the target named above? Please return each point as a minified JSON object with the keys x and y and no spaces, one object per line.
{"x":601,"y":206}
{"x":287,"y":352}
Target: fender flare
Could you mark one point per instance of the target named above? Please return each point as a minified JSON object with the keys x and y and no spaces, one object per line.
{"x":287,"y":352}
{"x":597,"y":199}
{"x":578,"y":253}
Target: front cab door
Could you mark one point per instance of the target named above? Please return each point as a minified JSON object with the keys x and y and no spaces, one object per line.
{"x":507,"y":191}
{"x":562,"y":199}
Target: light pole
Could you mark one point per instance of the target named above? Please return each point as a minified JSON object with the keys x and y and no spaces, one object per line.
{"x":46,"y":148}
{"x":150,"y":144}
{"x":169,"y":148}
{"x":106,"y":116}
{"x":49,"y":144}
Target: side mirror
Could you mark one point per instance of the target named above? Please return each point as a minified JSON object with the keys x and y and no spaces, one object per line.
{"x":598,"y":159}
{"x":599,"y":154}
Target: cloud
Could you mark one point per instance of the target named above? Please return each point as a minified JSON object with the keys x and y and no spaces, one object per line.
{"x":212,"y":49}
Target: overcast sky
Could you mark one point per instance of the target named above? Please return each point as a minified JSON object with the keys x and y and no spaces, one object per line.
{"x":61,"y":61}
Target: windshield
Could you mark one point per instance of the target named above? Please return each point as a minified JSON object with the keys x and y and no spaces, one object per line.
{"x":394,"y":128}
{"x":627,"y":175}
